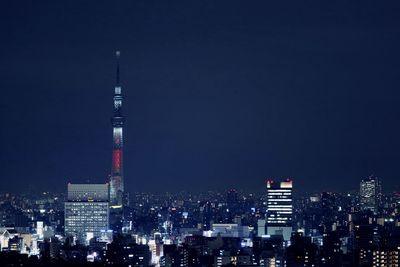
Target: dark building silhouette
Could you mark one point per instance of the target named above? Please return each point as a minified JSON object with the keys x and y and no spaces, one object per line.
{"x":124,"y":251}
{"x":301,"y":252}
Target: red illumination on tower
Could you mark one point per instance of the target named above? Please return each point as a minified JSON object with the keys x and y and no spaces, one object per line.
{"x":117,"y":177}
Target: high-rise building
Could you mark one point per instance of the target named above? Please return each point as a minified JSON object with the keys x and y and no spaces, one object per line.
{"x":279,"y":208}
{"x":86,"y":211}
{"x":117,"y":174}
{"x":370,"y":193}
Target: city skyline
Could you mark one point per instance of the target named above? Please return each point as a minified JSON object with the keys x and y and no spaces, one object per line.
{"x":233,"y":96}
{"x":200,"y":133}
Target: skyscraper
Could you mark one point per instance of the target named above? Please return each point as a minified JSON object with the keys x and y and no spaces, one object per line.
{"x":370,"y":193}
{"x":279,"y":208}
{"x":86,"y":210}
{"x":117,"y":175}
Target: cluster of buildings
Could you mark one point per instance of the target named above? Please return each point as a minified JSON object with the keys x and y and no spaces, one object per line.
{"x":209,"y":229}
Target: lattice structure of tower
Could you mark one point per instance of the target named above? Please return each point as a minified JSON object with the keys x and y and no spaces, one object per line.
{"x":117,"y":121}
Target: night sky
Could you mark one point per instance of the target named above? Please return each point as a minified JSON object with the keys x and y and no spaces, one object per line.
{"x":217,"y":94}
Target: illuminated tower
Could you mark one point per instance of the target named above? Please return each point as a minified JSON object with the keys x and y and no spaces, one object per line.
{"x":117,"y":174}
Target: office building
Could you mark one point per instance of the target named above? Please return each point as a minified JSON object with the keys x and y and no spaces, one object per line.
{"x":86,"y":211}
{"x":370,"y":193}
{"x":279,"y":208}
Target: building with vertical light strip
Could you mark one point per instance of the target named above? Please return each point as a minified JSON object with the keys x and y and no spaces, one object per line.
{"x":117,"y":175}
{"x":279,"y":208}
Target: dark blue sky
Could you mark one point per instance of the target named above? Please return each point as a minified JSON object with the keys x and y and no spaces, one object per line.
{"x":218,"y":94}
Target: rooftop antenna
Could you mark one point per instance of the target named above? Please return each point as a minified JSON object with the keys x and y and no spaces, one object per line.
{"x":117,"y":55}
